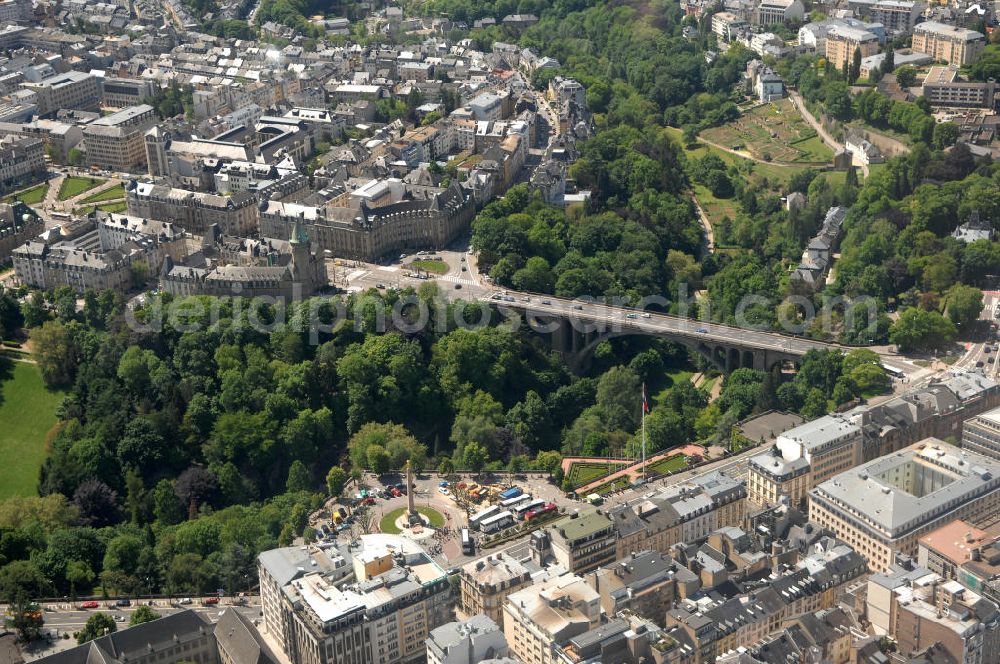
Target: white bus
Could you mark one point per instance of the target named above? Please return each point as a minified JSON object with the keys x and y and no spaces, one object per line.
{"x":476,"y":519}
{"x":468,"y":547}
{"x":513,"y":502}
{"x":524,"y":508}
{"x":496,"y":522}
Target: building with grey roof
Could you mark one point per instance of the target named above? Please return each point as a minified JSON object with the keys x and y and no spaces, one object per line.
{"x":583,"y":541}
{"x":117,"y":141}
{"x":643,"y":583}
{"x":106,"y":251}
{"x":467,"y":642}
{"x":541,"y":618}
{"x":702,"y":628}
{"x":487,"y":582}
{"x":884,"y":506}
{"x":187,"y":636}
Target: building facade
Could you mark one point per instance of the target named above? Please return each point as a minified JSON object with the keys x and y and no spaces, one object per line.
{"x":540,"y":618}
{"x":116,"y":142}
{"x":954,"y":45}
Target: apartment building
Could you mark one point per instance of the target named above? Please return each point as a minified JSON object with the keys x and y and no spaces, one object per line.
{"x":898,"y":16}
{"x":954,"y":45}
{"x":706,"y":503}
{"x":833,"y":442}
{"x":843,"y":40}
{"x":882,"y":508}
{"x":647,"y":524}
{"x":22,"y":161}
{"x":921,"y":610}
{"x":470,"y":642}
{"x":583,"y":541}
{"x":539,"y":619}
{"x":89,"y":256}
{"x":704,"y":628}
{"x":727,"y":26}
{"x":116,"y":142}
{"x":195,"y":211}
{"x":981,"y":434}
{"x":371,"y":601}
{"x":486,"y":583}
{"x":624,"y":639}
{"x":74,"y":90}
{"x":643,"y":583}
{"x":124,"y":92}
{"x":945,"y":88}
{"x":775,"y":12}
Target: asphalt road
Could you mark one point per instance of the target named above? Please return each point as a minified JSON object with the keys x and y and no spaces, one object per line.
{"x":584,"y":315}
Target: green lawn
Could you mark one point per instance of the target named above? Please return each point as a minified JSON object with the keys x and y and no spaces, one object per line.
{"x":814,"y":149}
{"x":118,"y":206}
{"x":32,"y":196}
{"x":434,"y":267}
{"x":614,"y":485}
{"x":118,"y":191}
{"x":585,"y":473}
{"x":74,"y":186}
{"x":669,"y":465}
{"x":27,"y":411}
{"x":388,"y":523}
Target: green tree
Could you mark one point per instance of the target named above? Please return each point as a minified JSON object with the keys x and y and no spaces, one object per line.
{"x":815,"y":404}
{"x":26,"y":617}
{"x":378,"y":460}
{"x":299,"y":477}
{"x":78,"y":574}
{"x":167,"y":507}
{"x":963,"y":304}
{"x":474,"y":457}
{"x":906,"y":76}
{"x":143,"y":614}
{"x":56,"y":353}
{"x":335,"y":481}
{"x":619,"y":396}
{"x":96,"y":626}
{"x":917,"y":329}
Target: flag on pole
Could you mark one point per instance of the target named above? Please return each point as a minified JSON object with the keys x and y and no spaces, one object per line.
{"x":645,"y":401}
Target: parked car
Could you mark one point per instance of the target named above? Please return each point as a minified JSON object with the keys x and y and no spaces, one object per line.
{"x":89,"y":604}
{"x":368,"y":501}
{"x":645,"y":315}
{"x":211,"y":600}
{"x":702,"y":330}
{"x":186,"y":601}
{"x":123,"y":602}
{"x":443,"y":490}
{"x":444,"y":483}
{"x":396,"y":493}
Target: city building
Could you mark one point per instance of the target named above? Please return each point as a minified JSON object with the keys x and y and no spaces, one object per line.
{"x":74,"y":90}
{"x":937,"y":410}
{"x":703,"y":628}
{"x":945,"y":549}
{"x":624,"y":639}
{"x":706,"y":503}
{"x":248,"y":268}
{"x":194,"y":211}
{"x":842,"y":41}
{"x":381,"y":219}
{"x":954,"y":45}
{"x":124,"y":92}
{"x":186,"y":636}
{"x":108,"y":251}
{"x":898,"y":16}
{"x":18,"y":224}
{"x":883,"y":507}
{"x":944,"y":88}
{"x":643,"y":583}
{"x":22,"y":162}
{"x":583,"y":541}
{"x":541,"y":618}
{"x":374,"y":600}
{"x":919,"y":610}
{"x":467,"y":642}
{"x":826,"y":635}
{"x":727,"y":26}
{"x":116,"y":142}
{"x":775,"y":12}
{"x":486,"y":583}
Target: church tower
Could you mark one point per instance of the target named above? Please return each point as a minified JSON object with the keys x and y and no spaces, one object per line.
{"x":301,"y":255}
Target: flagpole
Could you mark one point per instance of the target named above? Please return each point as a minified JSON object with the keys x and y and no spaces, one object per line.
{"x":644,"y":432}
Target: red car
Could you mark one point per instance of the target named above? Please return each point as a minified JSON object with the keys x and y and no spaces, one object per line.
{"x":211,"y":600}
{"x":89,"y":605}
{"x":368,"y":501}
{"x":396,"y":493}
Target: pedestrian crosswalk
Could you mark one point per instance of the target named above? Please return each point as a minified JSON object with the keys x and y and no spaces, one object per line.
{"x":455,"y":279}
